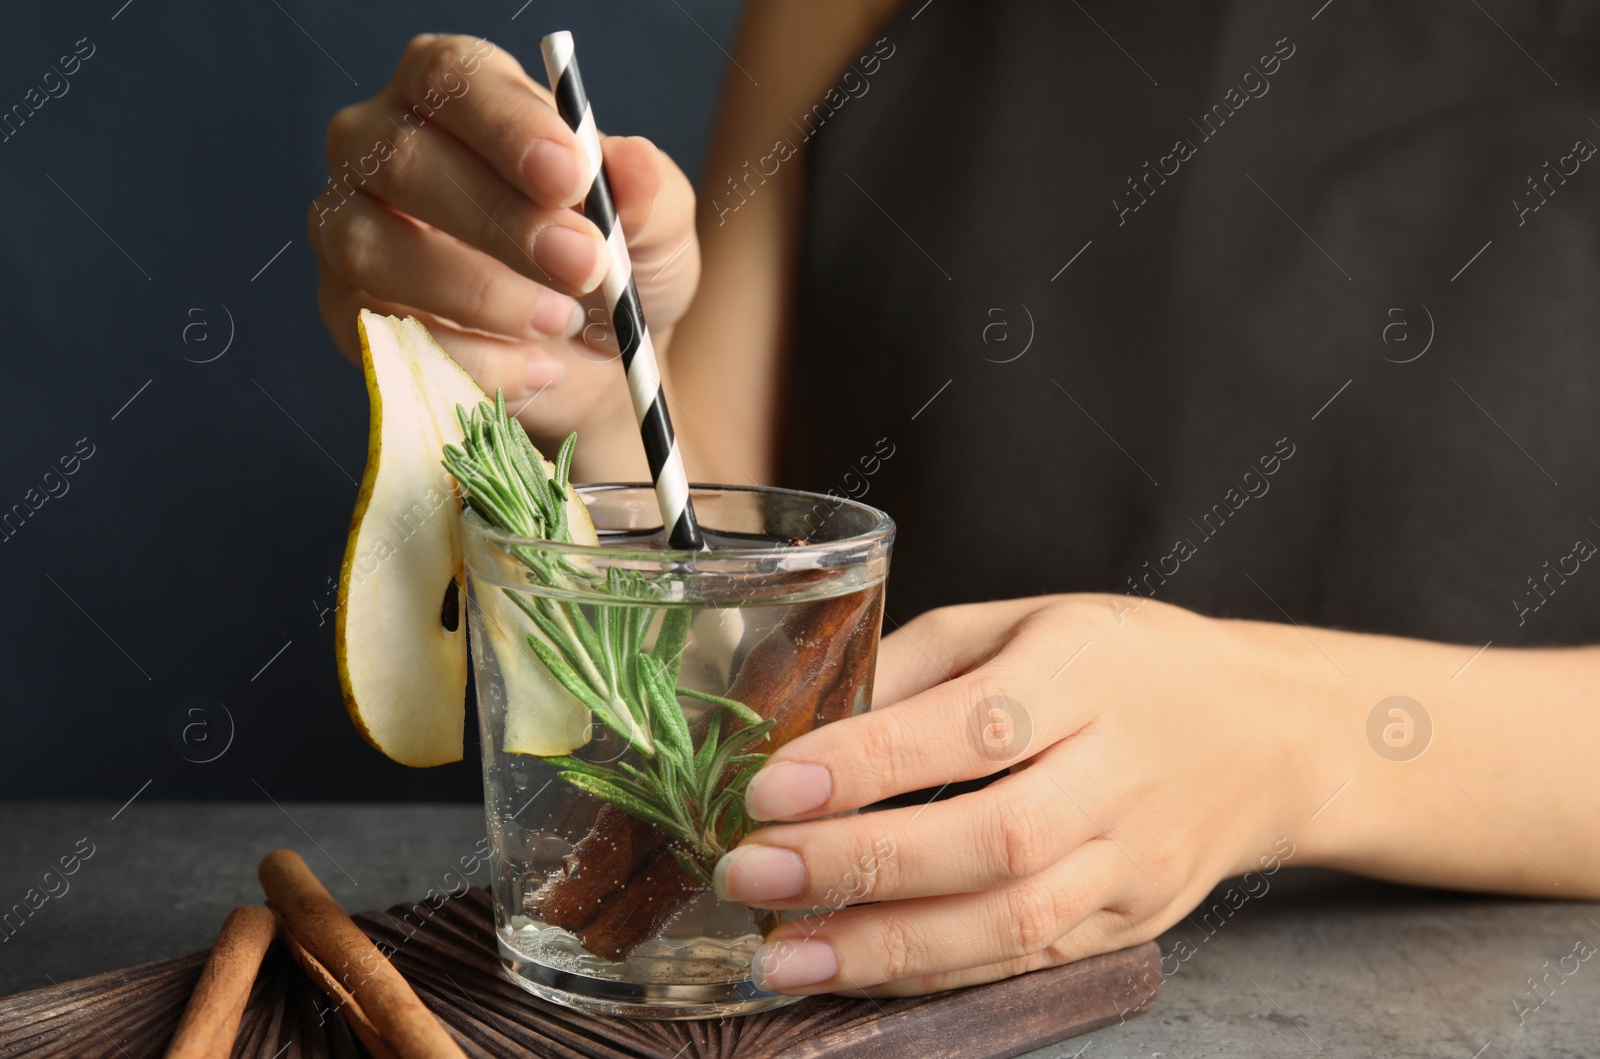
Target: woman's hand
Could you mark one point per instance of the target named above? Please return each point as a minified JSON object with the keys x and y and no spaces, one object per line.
{"x":450,"y":198}
{"x":1151,"y":752}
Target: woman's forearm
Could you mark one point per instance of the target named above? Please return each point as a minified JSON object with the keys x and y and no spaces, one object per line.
{"x":1442,"y":766}
{"x":725,"y":364}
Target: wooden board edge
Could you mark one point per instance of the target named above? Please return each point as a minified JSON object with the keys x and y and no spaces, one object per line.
{"x":1113,"y":987}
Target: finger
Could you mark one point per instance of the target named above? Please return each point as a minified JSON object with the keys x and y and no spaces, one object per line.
{"x":939,"y":645}
{"x":484,"y":98}
{"x":634,"y":172}
{"x":862,"y":947}
{"x":656,"y":206}
{"x":522,"y":370}
{"x":370,"y":246}
{"x":963,"y":729}
{"x":654,"y":200}
{"x":1104,"y":931}
{"x":429,"y":175}
{"x":1011,"y":830}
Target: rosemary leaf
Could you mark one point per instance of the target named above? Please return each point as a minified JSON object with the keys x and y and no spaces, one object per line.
{"x":735,"y":743}
{"x":621,"y":799}
{"x":708,"y":745}
{"x":569,"y":678}
{"x":571,"y":616}
{"x":586,"y":695}
{"x":728,"y":796}
{"x":564,"y":462}
{"x":523,"y":457}
{"x":667,"y":713}
{"x":691,"y":866}
{"x":733,"y":825}
{"x":559,"y":488}
{"x":639,"y":775}
{"x":671,"y":640}
{"x":554,"y":635}
{"x":606,"y":630}
{"x":738,"y":709}
{"x":538,"y":481}
{"x":568,"y":763}
{"x":500,"y":454}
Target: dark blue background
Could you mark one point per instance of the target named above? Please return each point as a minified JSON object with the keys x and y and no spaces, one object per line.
{"x":205,"y":531}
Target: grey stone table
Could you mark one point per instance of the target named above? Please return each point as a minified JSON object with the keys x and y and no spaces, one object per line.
{"x":1317,"y":965}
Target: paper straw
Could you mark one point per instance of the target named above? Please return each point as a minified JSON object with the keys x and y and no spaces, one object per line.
{"x":622,"y":299}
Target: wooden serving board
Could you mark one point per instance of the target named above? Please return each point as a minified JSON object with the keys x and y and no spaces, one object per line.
{"x":451,"y":962}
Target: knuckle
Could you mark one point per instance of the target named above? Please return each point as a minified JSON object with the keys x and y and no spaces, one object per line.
{"x":350,"y":243}
{"x":400,"y":165}
{"x":416,"y":46}
{"x":1069,"y":615}
{"x":899,"y":947}
{"x":882,"y":754}
{"x":483,"y":296}
{"x":1032,"y":919}
{"x":868,"y":875}
{"x":342,"y":130}
{"x":504,"y":218}
{"x":978,"y":693}
{"x":936,"y":626}
{"x":438,"y":65}
{"x":1023,"y":838}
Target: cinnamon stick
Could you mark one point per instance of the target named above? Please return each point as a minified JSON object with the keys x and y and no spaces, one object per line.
{"x":857,"y":668}
{"x":787,"y":676}
{"x":792,"y":671}
{"x":314,"y":919}
{"x":802,"y":674}
{"x":343,"y":1002}
{"x":211,"y":1021}
{"x":637,"y":914}
{"x":600,"y":864}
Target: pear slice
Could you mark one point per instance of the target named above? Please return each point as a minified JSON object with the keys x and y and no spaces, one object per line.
{"x":541,"y":716}
{"x":401,"y":641}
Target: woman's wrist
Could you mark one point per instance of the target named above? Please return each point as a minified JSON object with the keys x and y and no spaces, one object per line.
{"x":1305,"y":702}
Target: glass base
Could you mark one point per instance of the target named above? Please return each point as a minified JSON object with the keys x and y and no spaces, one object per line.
{"x":637,"y":1000}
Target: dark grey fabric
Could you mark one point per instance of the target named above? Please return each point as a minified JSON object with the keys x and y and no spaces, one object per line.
{"x":1309,"y":241}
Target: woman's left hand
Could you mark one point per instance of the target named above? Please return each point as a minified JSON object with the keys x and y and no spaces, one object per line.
{"x":1151,"y":753}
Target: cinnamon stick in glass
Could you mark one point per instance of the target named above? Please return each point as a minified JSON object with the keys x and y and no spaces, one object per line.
{"x":621,"y":886}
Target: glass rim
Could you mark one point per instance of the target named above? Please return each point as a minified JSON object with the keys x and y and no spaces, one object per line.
{"x":880,"y":531}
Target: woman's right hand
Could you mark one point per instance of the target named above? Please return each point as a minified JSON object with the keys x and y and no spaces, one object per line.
{"x":451,"y":198}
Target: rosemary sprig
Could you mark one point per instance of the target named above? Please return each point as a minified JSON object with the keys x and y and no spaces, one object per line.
{"x":692,"y":790}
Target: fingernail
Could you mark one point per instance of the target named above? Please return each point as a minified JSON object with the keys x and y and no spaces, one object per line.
{"x":754,"y":874}
{"x":788,"y":789}
{"x":556,"y":315}
{"x":570,"y":256}
{"x":553,"y":172}
{"x":540,"y":371}
{"x":793,"y":964}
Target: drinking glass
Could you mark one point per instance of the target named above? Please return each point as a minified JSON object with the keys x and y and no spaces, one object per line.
{"x":613,"y":782}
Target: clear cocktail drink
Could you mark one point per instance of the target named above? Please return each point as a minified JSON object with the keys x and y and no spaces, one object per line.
{"x":626,"y":696}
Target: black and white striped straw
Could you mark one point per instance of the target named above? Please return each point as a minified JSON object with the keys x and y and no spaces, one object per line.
{"x":622,"y":299}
